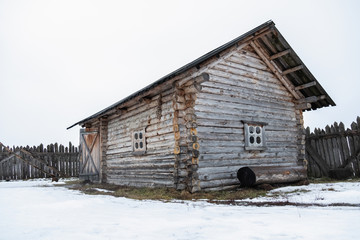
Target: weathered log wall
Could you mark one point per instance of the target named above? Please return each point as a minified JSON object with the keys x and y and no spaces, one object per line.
{"x":64,"y":159}
{"x":156,"y":166}
{"x":194,"y":129}
{"x":242,"y":88}
{"x":186,"y":147}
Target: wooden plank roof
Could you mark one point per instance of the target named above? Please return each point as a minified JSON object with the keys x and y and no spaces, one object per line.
{"x":276,"y":53}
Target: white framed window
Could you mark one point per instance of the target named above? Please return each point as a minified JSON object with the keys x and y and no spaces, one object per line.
{"x":138,"y":141}
{"x":255,"y":135}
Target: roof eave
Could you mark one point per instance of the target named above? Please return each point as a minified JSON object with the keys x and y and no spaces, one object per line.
{"x":254,"y":32}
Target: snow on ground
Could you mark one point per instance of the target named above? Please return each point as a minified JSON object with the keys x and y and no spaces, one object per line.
{"x":319,"y":194}
{"x":38,"y":210}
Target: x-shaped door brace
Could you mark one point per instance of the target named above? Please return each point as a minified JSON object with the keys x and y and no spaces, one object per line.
{"x":89,"y":152}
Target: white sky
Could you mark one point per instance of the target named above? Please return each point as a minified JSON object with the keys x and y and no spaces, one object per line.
{"x":62,"y":61}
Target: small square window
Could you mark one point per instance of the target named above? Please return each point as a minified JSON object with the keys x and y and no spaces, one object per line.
{"x":138,"y":140}
{"x":254,"y":136}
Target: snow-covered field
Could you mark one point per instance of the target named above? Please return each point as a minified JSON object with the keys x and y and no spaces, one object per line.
{"x":38,"y":210}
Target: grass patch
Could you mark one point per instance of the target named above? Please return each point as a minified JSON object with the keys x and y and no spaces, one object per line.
{"x":329,"y":180}
{"x":164,"y":194}
{"x":167,"y":194}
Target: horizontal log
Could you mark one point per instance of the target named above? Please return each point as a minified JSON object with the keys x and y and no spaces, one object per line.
{"x":274,"y":69}
{"x":144,"y":182}
{"x":311,"y":99}
{"x":246,"y":70}
{"x":303,"y":106}
{"x":250,"y":176}
{"x":244,"y":77}
{"x":197,"y":80}
{"x":248,"y":61}
{"x":223,"y":83}
{"x":215,"y":166}
{"x":245,"y":111}
{"x":221,"y":183}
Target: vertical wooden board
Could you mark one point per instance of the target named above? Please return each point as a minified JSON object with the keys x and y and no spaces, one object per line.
{"x":339,"y":143}
{"x":12,"y":169}
{"x":344,"y":143}
{"x":321,"y":146}
{"x":9,"y":170}
{"x":317,"y":172}
{"x":16,"y":168}
{"x":5,"y":169}
{"x":72,"y":166}
{"x":351,"y":145}
{"x":66,"y":165}
{"x":63,"y":164}
{"x":1,"y":169}
{"x":335,"y":147}
{"x":355,"y":127}
{"x":324,"y":144}
{"x":23,"y":170}
{"x":329,"y":148}
{"x":75,"y":164}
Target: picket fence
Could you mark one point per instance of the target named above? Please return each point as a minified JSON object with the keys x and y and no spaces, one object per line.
{"x":39,"y":162}
{"x":334,"y":150}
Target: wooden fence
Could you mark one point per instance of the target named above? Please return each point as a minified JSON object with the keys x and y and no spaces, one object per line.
{"x":334,"y":152}
{"x":39,"y":162}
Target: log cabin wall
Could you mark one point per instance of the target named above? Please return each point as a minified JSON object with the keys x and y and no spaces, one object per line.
{"x":155,"y":167}
{"x":242,"y":88}
{"x":103,"y":126}
{"x":186,"y":149}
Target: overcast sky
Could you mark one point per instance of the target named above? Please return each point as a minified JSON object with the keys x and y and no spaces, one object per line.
{"x":62,"y":61}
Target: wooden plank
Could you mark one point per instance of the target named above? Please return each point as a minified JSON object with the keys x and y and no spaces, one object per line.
{"x":344,"y":143}
{"x":318,"y":159}
{"x":279,"y":54}
{"x":311,"y":99}
{"x":290,"y":70}
{"x":315,"y":167}
{"x":355,"y":126}
{"x":27,"y":161}
{"x":336,"y":148}
{"x":330,"y":148}
{"x":306,"y":85}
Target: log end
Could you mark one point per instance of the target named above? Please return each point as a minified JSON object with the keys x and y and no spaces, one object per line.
{"x":246,"y":177}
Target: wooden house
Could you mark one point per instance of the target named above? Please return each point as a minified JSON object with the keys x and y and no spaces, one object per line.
{"x":231,"y":117}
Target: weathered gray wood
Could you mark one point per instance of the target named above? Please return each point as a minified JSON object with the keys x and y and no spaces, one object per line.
{"x":306,"y":85}
{"x":274,"y":69}
{"x":294,"y":69}
{"x":40,"y":159}
{"x":280,"y":54}
{"x":279,"y":175}
{"x":159,"y":140}
{"x":303,"y":106}
{"x":318,"y":159}
{"x":344,"y":143}
{"x":337,"y":146}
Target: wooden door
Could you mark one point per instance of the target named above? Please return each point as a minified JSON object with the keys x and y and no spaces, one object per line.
{"x":90,"y":155}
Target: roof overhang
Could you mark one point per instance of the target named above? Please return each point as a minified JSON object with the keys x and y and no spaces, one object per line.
{"x":274,"y":50}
